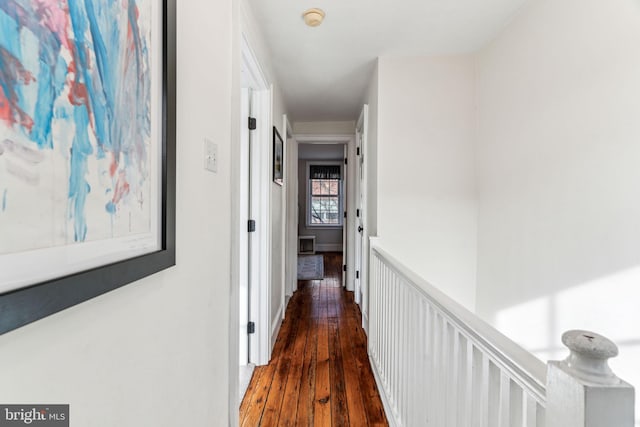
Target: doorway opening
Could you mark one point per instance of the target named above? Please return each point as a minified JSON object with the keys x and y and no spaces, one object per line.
{"x":319,"y":203}
{"x":322,"y":193}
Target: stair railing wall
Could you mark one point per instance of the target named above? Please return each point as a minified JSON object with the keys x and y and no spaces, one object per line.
{"x":437,"y":364}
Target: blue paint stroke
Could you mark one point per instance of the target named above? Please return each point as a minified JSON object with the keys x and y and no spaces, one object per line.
{"x":51,"y":80}
{"x":83,"y":74}
{"x":111,"y":67}
{"x":51,"y":76}
{"x":110,"y":207}
{"x":106,"y":64}
{"x":78,"y":186}
{"x":4,"y":200}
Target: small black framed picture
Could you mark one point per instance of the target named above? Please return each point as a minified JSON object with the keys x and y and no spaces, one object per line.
{"x":278,"y":157}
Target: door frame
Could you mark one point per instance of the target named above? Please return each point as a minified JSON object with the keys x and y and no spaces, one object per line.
{"x":290,"y":239}
{"x":242,"y":237}
{"x":292,"y":204}
{"x":258,"y":258}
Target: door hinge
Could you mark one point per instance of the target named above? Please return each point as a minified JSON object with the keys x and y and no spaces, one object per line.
{"x":252,"y":225}
{"x":251,"y":328}
{"x":358,"y":213}
{"x":253,"y":124}
{"x":344,"y":267}
{"x":345,"y":160}
{"x":345,"y":214}
{"x":357,"y":274}
{"x":358,"y":151}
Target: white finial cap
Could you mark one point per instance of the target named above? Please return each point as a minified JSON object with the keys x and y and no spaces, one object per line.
{"x":589,"y":355}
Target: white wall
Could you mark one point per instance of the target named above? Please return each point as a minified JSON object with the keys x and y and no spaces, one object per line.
{"x":559,"y":145}
{"x":278,"y":212}
{"x":278,"y":218}
{"x":370,"y":163}
{"x":371,"y":156}
{"x":153,"y":353}
{"x":324,"y":128}
{"x":426,"y":210}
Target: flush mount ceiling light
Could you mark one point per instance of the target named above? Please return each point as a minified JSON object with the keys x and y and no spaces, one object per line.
{"x":313,"y":17}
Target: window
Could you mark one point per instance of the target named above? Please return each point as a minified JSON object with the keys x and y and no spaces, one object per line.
{"x":324,"y":195}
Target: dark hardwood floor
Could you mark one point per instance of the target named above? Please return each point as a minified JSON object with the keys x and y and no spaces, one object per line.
{"x":319,"y":373}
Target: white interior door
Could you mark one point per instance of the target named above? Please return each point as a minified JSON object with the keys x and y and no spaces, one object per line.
{"x":361,"y":232}
{"x":360,"y":228}
{"x":359,"y":225}
{"x":244,"y":237}
{"x":345,"y":229}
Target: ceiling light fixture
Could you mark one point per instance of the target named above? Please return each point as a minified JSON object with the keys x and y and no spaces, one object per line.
{"x":313,"y":17}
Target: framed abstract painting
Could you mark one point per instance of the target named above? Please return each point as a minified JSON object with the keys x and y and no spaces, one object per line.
{"x":87,"y":150}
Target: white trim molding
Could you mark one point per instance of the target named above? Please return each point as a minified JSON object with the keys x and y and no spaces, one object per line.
{"x":260,"y":149}
{"x":275,"y":328}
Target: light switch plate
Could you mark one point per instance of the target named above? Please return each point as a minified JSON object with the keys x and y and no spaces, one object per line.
{"x":210,"y":156}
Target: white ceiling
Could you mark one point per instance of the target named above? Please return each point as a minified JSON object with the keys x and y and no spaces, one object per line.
{"x":324,"y":71}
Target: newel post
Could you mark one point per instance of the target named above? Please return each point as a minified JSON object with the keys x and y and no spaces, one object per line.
{"x":582,"y":391}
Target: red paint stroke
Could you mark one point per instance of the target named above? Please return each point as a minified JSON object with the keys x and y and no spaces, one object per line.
{"x":113,"y":167}
{"x":78,"y":94}
{"x":14,"y":73}
{"x":5,"y":108}
{"x":122,"y":188}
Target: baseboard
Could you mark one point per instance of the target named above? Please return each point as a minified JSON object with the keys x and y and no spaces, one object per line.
{"x":365,"y":323}
{"x":328,"y":247}
{"x":246,"y":372}
{"x":287,"y":298}
{"x":388,"y":411}
{"x":275,"y":328}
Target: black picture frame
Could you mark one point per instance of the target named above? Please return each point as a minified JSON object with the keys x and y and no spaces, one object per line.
{"x":278,"y":158}
{"x":26,"y":305}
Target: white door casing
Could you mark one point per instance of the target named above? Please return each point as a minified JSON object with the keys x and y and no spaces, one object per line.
{"x":291,"y":203}
{"x":290,"y":181}
{"x":242,"y":235}
{"x":259,"y":208}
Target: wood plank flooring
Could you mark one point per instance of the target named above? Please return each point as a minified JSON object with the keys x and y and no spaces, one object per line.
{"x":319,"y":374}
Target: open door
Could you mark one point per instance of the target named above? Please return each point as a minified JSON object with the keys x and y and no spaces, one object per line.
{"x":360,"y":235}
{"x":345,"y":228}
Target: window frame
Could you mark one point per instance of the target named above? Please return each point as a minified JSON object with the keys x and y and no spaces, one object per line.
{"x":340,"y":224}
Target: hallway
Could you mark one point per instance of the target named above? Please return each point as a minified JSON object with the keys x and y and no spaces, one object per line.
{"x":319,"y":373}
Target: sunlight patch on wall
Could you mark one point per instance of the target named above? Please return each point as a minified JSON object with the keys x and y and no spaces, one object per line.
{"x":529,"y":325}
{"x":607,"y":305}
